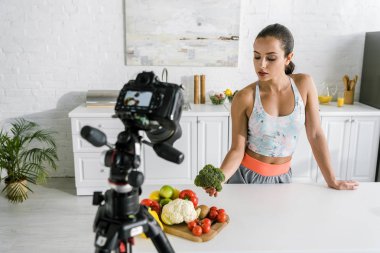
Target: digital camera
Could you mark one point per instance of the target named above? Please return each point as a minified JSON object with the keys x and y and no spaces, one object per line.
{"x":153,"y":106}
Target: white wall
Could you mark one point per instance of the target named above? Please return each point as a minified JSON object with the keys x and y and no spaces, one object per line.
{"x":53,"y":51}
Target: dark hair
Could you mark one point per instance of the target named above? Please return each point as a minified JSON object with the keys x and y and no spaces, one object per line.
{"x":283,"y":34}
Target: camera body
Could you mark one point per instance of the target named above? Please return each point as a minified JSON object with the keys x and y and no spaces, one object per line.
{"x":150,"y":105}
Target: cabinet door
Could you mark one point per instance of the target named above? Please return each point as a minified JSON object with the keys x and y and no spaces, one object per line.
{"x":337,"y":132}
{"x":364,"y":144}
{"x":212,"y":140}
{"x":303,"y":164}
{"x":160,"y":171}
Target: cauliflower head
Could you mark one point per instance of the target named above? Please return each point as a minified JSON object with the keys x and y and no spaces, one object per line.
{"x":178,"y":211}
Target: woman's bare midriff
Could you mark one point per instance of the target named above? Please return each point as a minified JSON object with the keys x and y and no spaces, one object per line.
{"x":267,"y":159}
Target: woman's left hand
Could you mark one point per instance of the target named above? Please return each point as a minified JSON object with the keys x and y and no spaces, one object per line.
{"x":344,"y":185}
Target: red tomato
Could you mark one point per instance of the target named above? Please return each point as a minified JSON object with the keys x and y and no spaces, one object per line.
{"x":191,"y":224}
{"x":213,"y":208}
{"x":222,"y":217}
{"x":146,"y":202}
{"x":213,"y":214}
{"x":206,"y":221}
{"x":221,"y":211}
{"x":197,"y":230}
{"x":205,"y":228}
{"x":155,"y":207}
{"x":152,"y":204}
{"x":189,"y":195}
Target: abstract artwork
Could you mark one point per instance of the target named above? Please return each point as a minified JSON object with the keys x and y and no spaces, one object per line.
{"x":182,"y":33}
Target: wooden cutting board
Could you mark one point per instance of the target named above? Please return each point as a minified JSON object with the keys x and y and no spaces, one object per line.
{"x":181,"y":230}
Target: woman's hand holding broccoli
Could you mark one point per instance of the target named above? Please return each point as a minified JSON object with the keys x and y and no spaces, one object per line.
{"x":211,"y":179}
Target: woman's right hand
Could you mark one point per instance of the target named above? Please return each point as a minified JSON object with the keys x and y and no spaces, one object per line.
{"x":211,"y":191}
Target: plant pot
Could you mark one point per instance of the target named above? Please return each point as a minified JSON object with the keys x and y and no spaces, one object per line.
{"x":17,"y":192}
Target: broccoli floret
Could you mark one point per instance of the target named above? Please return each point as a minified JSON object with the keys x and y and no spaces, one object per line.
{"x":210,"y":176}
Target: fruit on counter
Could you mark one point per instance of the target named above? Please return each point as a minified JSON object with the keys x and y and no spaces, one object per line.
{"x":189,"y":195}
{"x":210,"y":176}
{"x":155,"y":195}
{"x":166,"y":191}
{"x":175,"y":193}
{"x":178,"y":211}
{"x":152,"y":204}
{"x":164,"y":202}
{"x":203,"y":211}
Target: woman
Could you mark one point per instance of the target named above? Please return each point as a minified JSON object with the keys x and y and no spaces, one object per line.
{"x":267,"y":117}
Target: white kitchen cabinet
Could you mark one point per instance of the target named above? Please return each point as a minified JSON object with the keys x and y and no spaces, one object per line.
{"x":304,"y":167}
{"x":160,"y":171}
{"x":353,"y":143}
{"x":204,"y":141}
{"x":212,"y":140}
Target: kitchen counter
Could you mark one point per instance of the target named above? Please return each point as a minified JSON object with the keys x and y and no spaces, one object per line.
{"x":287,"y":218}
{"x":108,"y":111}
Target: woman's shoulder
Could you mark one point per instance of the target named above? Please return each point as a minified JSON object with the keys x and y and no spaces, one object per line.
{"x":304,"y":82}
{"x":247,"y":93}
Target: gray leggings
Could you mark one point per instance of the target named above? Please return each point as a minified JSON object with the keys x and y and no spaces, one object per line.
{"x":244,"y":175}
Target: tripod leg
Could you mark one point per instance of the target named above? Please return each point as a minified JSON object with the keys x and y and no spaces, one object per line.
{"x":156,"y":234}
{"x":162,"y":243}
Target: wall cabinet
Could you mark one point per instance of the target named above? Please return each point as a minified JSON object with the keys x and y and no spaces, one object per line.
{"x":353,"y":143}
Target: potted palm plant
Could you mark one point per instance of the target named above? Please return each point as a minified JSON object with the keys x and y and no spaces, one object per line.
{"x":26,"y":154}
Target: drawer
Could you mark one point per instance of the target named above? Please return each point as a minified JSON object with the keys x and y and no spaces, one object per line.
{"x":102,"y":124}
{"x":89,"y":170}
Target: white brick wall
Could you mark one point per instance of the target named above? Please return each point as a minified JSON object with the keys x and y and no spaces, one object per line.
{"x":53,"y":51}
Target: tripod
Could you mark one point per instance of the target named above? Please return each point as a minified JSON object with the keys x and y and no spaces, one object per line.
{"x":120,"y":217}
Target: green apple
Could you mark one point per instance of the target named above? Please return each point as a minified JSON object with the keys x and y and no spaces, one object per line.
{"x":166,"y":191}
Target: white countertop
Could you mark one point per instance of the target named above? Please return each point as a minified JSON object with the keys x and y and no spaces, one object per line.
{"x":287,"y":218}
{"x":107,"y":111}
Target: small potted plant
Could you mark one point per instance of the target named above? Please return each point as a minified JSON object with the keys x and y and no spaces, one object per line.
{"x":229,"y":94}
{"x":26,"y":153}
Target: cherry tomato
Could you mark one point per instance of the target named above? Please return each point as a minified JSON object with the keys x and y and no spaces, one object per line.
{"x":197,"y":230}
{"x":221,"y":211}
{"x":213,"y":208}
{"x":191,"y":224}
{"x":213,"y":214}
{"x":205,"y":228}
{"x":222,"y":217}
{"x":206,"y":221}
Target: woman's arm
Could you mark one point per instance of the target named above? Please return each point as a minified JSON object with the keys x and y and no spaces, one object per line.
{"x":235,"y":155}
{"x":317,"y":138}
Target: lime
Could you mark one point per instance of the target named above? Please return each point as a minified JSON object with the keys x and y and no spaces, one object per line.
{"x":166,"y":191}
{"x":164,"y":202}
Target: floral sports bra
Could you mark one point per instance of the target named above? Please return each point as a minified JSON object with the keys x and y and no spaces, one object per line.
{"x":275,"y":136}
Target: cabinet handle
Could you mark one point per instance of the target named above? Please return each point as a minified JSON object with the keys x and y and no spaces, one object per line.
{"x":353,"y":121}
{"x":347,"y":121}
{"x":102,"y":170}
